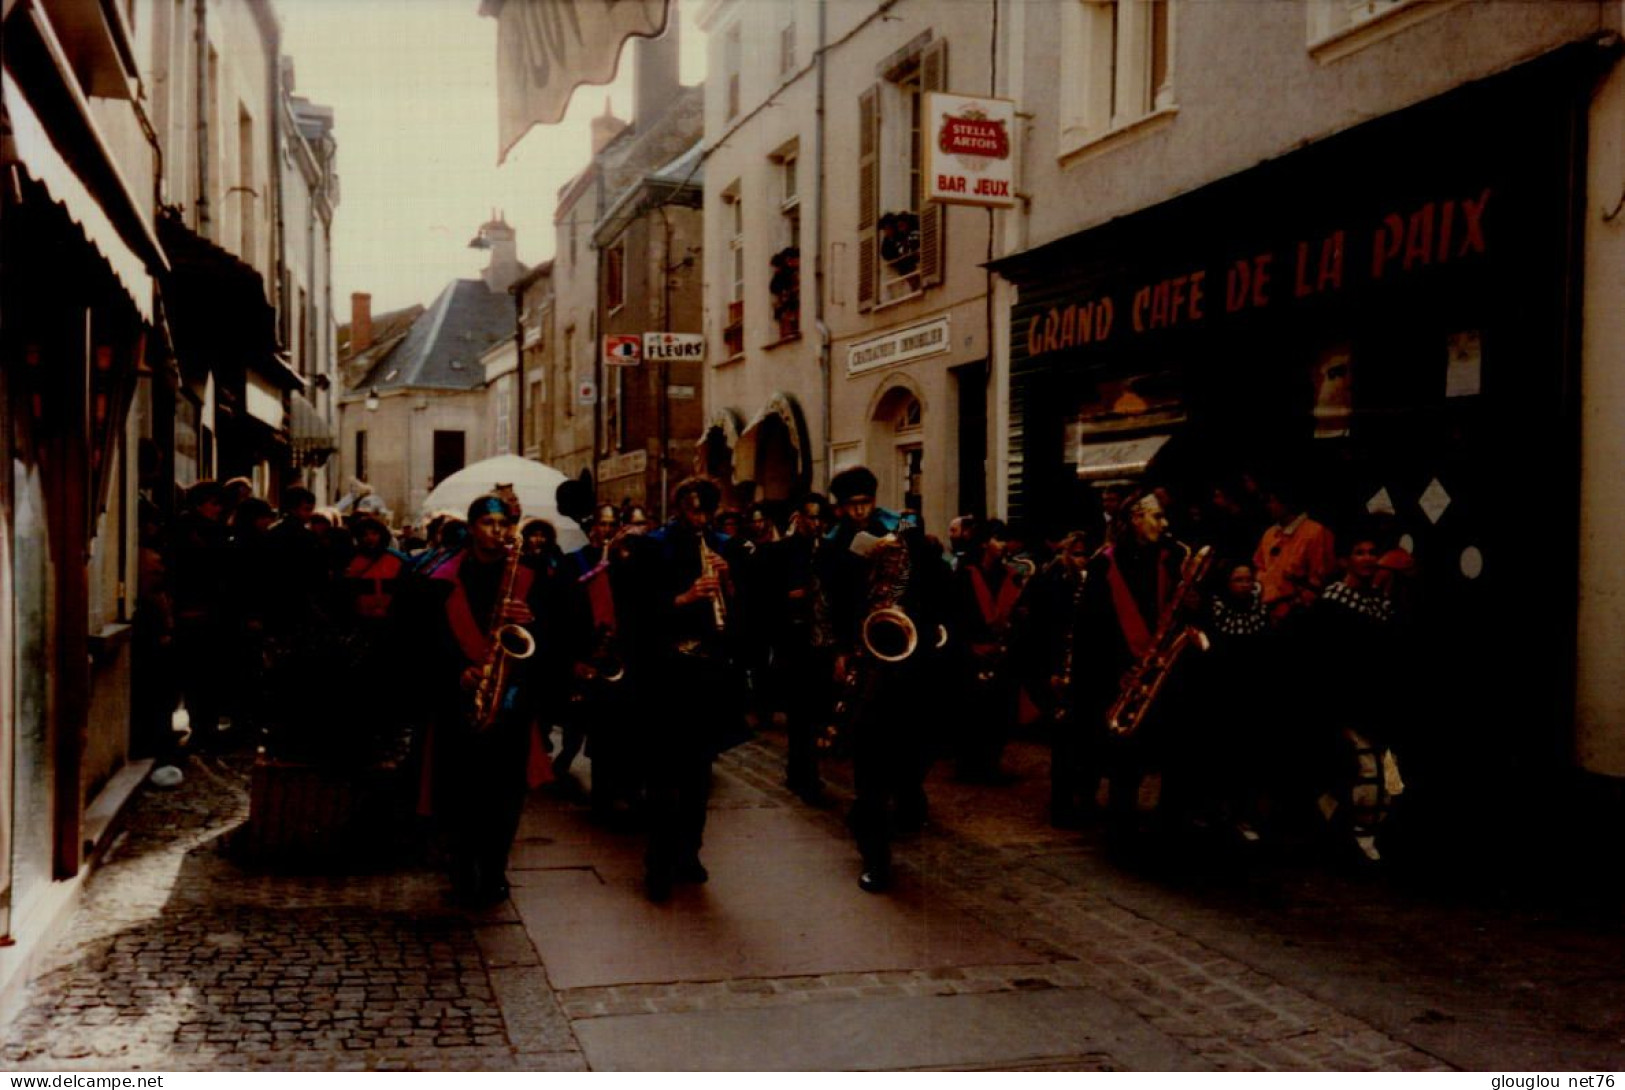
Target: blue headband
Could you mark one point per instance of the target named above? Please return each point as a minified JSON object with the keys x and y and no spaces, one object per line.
{"x":488,"y":505}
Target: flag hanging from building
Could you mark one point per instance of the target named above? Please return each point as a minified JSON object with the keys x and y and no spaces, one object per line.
{"x":548,"y":48}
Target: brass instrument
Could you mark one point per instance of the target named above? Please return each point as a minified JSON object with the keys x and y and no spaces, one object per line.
{"x":1019,"y":569}
{"x":1145,"y":679}
{"x":888,"y":633}
{"x":708,"y":567}
{"x":509,"y":643}
{"x":1063,"y":706}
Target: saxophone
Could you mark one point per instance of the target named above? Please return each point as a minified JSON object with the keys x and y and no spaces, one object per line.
{"x":708,"y":567}
{"x":1145,"y":679}
{"x":509,"y":643}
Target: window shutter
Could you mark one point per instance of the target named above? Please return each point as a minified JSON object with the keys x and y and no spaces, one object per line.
{"x":868,"y":193}
{"x":933,"y":217}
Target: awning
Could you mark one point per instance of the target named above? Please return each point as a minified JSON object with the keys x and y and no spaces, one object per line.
{"x":783,"y":408}
{"x":308,"y":432}
{"x":42,"y":161}
{"x":218,"y":310}
{"x":1116,"y":460}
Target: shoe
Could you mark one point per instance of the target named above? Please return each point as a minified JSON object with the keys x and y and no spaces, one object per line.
{"x":167,"y":776}
{"x":692,"y":872}
{"x":875,"y":880}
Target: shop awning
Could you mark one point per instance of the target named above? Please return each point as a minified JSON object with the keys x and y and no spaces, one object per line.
{"x":1118,"y":459}
{"x":218,"y":310}
{"x":308,"y":432}
{"x":781,"y":408}
{"x":43,"y":162}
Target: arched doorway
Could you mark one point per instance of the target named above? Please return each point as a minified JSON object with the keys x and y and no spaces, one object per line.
{"x":897,"y":448}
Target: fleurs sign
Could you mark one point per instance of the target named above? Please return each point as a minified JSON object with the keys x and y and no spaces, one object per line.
{"x":673,"y":346}
{"x":968,"y":155}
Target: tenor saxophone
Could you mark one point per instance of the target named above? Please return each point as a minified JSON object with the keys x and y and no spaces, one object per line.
{"x":509,"y":643}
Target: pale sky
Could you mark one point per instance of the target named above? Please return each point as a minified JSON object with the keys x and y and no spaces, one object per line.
{"x":412,"y":84}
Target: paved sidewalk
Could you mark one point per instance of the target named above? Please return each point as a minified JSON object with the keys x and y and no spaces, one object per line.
{"x":1006,"y":946}
{"x":179,"y":959}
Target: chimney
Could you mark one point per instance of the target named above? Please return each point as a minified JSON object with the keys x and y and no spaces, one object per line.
{"x":503,"y":268}
{"x":655,"y":76}
{"x":360,"y":322}
{"x":605,"y":127}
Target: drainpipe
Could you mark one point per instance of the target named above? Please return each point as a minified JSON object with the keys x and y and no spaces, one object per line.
{"x":201,"y":36}
{"x":666,"y":270}
{"x":819,"y":324}
{"x":518,"y":294}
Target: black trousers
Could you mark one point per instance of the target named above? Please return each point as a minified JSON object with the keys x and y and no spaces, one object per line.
{"x":891,"y":754}
{"x":700,"y":702}
{"x":805,"y":683}
{"x":483,"y":788}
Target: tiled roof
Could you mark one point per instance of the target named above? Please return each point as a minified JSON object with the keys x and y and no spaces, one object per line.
{"x":443,"y":348}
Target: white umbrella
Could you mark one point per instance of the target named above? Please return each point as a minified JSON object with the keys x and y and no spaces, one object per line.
{"x":533,"y":482}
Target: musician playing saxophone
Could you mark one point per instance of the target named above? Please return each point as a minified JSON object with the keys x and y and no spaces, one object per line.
{"x":872,"y":562}
{"x":1132,"y":584}
{"x":476,"y":774}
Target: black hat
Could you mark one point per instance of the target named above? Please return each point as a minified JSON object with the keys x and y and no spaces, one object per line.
{"x":704,"y":488}
{"x":854,"y":481}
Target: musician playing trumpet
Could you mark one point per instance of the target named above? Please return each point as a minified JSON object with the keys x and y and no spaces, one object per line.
{"x":484,"y":751}
{"x":988,"y":594}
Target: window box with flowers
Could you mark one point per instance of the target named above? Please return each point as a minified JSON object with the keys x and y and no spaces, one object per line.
{"x":733,"y":334}
{"x":899,"y":244}
{"x":785,"y":287}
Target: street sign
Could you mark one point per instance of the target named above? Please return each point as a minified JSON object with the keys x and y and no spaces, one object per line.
{"x":587,"y":392}
{"x":968,"y":158}
{"x":673,"y":346}
{"x":623,"y":349}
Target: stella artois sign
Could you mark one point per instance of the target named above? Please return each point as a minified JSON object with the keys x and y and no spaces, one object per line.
{"x":969,"y":156}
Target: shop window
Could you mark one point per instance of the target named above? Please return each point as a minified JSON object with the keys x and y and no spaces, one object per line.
{"x":1338,"y":28}
{"x":900,"y":234}
{"x":1123,"y":72}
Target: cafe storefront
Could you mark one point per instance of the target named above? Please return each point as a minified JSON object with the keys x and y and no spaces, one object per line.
{"x":1390,"y":316}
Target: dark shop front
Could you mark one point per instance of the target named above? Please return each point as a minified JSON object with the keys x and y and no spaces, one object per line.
{"x":1387,"y":318}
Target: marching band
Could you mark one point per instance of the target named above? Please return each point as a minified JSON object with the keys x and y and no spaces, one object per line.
{"x":655,"y":648}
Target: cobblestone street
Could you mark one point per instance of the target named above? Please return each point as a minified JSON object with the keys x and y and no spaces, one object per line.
{"x":1008,"y":945}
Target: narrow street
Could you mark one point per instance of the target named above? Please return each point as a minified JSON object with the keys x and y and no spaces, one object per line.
{"x":1007,"y":945}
